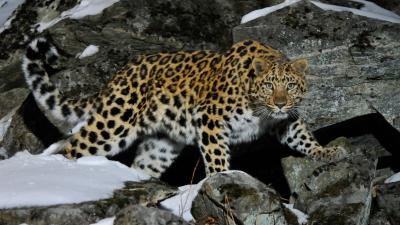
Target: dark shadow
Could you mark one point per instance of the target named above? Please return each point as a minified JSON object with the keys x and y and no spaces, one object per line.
{"x":375,"y":124}
{"x":38,"y":123}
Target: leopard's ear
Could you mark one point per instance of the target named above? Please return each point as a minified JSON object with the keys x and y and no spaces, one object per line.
{"x":300,"y":65}
{"x":260,"y":65}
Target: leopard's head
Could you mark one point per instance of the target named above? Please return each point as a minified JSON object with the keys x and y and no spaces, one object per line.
{"x":277,"y":88}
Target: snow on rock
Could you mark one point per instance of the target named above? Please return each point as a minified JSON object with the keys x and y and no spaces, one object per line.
{"x":85,"y":8}
{"x":7,"y":8}
{"x":89,"y":51}
{"x":40,"y":180}
{"x":370,"y":10}
{"x":106,"y":221}
{"x":393,"y":178}
{"x":181,"y":203}
{"x":55,"y":148}
{"x":301,"y":217}
{"x":265,"y":11}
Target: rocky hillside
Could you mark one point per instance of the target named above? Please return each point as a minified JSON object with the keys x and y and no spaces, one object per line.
{"x":353,"y":91}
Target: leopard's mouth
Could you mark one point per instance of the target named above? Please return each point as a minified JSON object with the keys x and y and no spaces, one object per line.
{"x":279,"y":115}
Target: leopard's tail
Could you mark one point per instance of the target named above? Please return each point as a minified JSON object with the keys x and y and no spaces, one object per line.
{"x":37,"y":65}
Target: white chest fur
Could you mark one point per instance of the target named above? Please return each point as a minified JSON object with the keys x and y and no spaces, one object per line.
{"x":244,"y":127}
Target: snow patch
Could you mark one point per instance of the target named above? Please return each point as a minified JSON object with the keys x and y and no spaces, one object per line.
{"x":181,"y":203}
{"x":301,"y":217}
{"x":85,"y":8}
{"x":265,"y":11}
{"x":40,"y":180}
{"x":89,"y":51}
{"x":393,"y":178}
{"x":106,"y":221}
{"x":7,"y":8}
{"x":369,"y":9}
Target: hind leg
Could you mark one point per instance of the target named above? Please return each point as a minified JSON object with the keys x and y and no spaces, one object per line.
{"x":155,"y":155}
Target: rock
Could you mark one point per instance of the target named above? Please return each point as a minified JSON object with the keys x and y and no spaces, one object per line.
{"x":354,"y":64}
{"x":10,"y":73}
{"x":12,"y":99}
{"x":379,"y":218}
{"x":336,"y":193}
{"x":237,"y":198}
{"x":133,"y":196}
{"x":139,"y":215}
{"x":388,"y":201}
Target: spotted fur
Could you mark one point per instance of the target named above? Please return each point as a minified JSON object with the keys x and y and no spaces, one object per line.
{"x":204,"y":98}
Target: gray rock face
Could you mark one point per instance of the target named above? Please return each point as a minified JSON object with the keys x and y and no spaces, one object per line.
{"x":237,"y":198}
{"x":354,"y":60}
{"x":336,"y":193}
{"x":12,"y":99}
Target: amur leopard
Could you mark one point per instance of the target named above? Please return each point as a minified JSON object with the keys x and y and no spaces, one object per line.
{"x":209,"y":99}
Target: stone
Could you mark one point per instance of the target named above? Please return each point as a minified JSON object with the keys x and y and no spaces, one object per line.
{"x":133,"y":195}
{"x":379,"y":218}
{"x":388,"y":200}
{"x":354,"y":60}
{"x":139,"y":215}
{"x":12,"y":99}
{"x":340,"y":192}
{"x":237,"y":198}
{"x":10,"y":73}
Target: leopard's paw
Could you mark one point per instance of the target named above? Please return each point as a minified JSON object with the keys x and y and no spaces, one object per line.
{"x":334,"y":153}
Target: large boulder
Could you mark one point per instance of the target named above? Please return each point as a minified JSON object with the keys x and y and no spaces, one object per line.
{"x":354,"y":60}
{"x":237,"y":198}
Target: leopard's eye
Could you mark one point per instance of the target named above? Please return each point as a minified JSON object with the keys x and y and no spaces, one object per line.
{"x":269,"y":85}
{"x":291,"y":86}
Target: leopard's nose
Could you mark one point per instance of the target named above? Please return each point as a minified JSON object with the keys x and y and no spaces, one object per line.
{"x":280,"y":105}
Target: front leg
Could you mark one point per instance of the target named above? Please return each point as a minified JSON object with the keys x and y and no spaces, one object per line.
{"x":213,"y":145}
{"x":298,"y":138}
